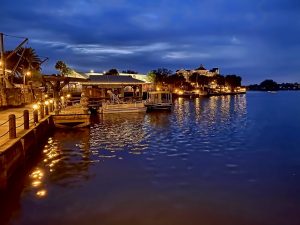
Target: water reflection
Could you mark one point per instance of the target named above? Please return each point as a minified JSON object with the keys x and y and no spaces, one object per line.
{"x":114,"y":133}
{"x":65,"y":163}
{"x":146,"y":168}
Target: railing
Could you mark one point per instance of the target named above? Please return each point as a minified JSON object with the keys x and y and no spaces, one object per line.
{"x":24,"y":122}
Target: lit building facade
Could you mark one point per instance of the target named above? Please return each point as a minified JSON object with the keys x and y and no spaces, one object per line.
{"x":200,"y":70}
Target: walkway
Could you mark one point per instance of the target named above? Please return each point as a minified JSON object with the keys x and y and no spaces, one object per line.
{"x":4,"y":114}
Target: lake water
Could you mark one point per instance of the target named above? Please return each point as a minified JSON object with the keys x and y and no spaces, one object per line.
{"x":228,"y":160}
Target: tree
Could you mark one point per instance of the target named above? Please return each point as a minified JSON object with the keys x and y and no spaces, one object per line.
{"x":62,"y":68}
{"x":220,"y":80}
{"x":233,"y":81}
{"x":161,"y":75}
{"x":25,"y":59}
{"x":269,"y":85}
{"x":151,"y":77}
{"x":113,"y":72}
{"x":199,"y":79}
{"x":130,"y":72}
{"x":176,"y":79}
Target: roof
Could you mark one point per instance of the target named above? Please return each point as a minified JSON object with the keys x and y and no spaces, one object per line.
{"x":214,"y":69}
{"x":75,"y":74}
{"x":201,"y":67}
{"x":112,"y":79}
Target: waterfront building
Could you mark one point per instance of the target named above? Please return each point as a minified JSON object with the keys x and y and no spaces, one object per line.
{"x":201,"y":70}
{"x":101,"y":86}
{"x":141,"y":77}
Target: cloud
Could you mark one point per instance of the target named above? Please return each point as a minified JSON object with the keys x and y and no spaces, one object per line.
{"x":249,"y":38}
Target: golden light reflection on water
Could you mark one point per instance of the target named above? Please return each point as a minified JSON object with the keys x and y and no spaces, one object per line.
{"x":117,"y":133}
{"x":37,"y":179}
{"x":41,"y":193}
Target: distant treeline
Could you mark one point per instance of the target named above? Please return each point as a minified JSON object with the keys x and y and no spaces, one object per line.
{"x":270,"y":85}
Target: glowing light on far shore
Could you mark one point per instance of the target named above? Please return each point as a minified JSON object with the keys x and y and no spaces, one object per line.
{"x":41,"y":193}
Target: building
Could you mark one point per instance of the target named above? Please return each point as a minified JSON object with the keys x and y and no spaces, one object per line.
{"x":141,"y":77}
{"x":101,"y":87}
{"x":200,"y":70}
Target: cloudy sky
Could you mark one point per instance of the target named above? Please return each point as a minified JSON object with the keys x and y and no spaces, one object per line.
{"x":256,"y":39}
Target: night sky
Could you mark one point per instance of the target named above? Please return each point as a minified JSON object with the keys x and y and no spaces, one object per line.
{"x":256,"y":39}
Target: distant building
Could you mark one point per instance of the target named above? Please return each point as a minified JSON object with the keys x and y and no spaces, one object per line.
{"x":141,"y":77}
{"x":200,"y":70}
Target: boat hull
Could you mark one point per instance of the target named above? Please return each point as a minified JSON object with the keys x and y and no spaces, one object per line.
{"x":159,"y":106}
{"x":123,"y":108}
{"x":71,"y":121}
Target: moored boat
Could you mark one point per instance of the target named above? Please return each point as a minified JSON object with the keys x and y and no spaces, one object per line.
{"x":159,"y":100}
{"x":125,"y":107}
{"x":71,"y":120}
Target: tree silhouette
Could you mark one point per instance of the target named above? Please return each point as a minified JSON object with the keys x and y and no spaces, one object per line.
{"x":269,"y":85}
{"x":113,"y":72}
{"x":62,"y":68}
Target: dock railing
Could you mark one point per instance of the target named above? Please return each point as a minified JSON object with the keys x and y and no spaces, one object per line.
{"x":15,"y":124}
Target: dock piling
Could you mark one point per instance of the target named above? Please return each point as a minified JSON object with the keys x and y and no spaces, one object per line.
{"x":35,"y":116}
{"x":12,"y":126}
{"x":26,"y":119}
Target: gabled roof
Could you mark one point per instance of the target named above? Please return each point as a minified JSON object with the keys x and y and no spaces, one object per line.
{"x":75,"y":74}
{"x":112,"y":79}
{"x":201,"y":67}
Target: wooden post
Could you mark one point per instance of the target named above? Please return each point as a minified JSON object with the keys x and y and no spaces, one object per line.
{"x":47,"y":110}
{"x":12,"y":126}
{"x":26,"y":119}
{"x":35,"y":116}
{"x":42,"y":111}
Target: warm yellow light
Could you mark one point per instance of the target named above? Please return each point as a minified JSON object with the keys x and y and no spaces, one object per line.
{"x":62,"y":97}
{"x":51,"y":101}
{"x":46,"y":103}
{"x":158,"y":89}
{"x":176,"y":90}
{"x":197,"y":91}
{"x":41,"y":193}
{"x":28,"y":73}
{"x":36,"y":183}
{"x":35,"y":106}
{"x":68,"y":95}
{"x":180,"y":92}
{"x":46,"y":96}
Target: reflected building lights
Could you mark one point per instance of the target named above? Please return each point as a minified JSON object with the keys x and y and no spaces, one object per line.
{"x":41,"y":193}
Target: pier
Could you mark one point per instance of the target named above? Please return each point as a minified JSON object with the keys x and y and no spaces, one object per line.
{"x":20,"y":133}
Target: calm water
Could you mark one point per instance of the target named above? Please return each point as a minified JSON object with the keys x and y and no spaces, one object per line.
{"x":232,"y":160}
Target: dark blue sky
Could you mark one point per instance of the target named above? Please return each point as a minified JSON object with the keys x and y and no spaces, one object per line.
{"x":256,"y":39}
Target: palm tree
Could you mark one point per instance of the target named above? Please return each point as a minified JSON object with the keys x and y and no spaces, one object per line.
{"x":62,"y":68}
{"x":25,"y":59}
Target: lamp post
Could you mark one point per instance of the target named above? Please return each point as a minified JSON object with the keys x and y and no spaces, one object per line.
{"x":28,"y":73}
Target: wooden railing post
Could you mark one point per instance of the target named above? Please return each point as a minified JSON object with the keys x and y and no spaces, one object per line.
{"x":42,"y":111}
{"x":35,"y":116}
{"x":12,"y":126}
{"x":26,"y":119}
{"x":47,"y":110}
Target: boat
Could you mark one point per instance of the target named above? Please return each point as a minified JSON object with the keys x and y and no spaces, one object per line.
{"x":159,"y":100}
{"x":71,"y":120}
{"x":122,"y":107}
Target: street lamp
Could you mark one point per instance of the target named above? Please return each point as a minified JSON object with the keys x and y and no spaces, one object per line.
{"x":28,"y":73}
